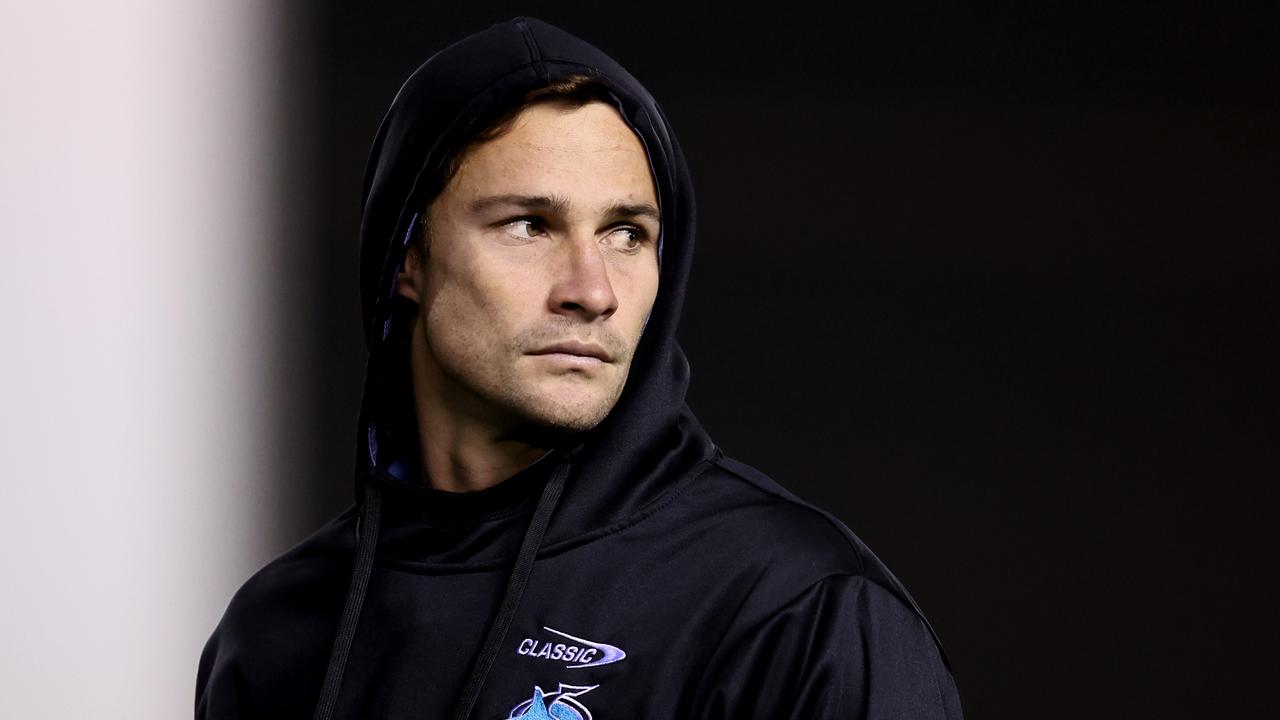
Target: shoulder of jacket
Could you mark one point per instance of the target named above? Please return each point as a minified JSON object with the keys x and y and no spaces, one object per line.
{"x":293,"y":583}
{"x":796,"y":529}
{"x":823,"y":530}
{"x":278,"y":625}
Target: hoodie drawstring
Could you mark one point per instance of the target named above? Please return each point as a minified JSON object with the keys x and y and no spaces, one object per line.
{"x":367,"y":541}
{"x":367,"y":530}
{"x":515,"y":590}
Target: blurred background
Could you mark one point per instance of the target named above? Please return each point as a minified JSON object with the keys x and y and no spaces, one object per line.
{"x":995,"y":284}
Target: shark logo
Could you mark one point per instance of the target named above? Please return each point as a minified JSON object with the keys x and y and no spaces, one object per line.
{"x":559,"y":705}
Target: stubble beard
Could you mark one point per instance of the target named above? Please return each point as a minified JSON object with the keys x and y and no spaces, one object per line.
{"x":525,"y":408}
{"x":548,"y":413}
{"x":541,"y":411}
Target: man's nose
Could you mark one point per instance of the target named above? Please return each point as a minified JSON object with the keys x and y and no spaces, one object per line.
{"x":583,"y":289}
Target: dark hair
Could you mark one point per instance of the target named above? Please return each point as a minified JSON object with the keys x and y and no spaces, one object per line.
{"x":571,"y":92}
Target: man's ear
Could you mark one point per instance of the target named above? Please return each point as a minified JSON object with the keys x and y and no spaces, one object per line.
{"x":410,"y":269}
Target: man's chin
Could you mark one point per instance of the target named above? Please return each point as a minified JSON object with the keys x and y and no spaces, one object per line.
{"x":570,"y":420}
{"x":563,"y":411}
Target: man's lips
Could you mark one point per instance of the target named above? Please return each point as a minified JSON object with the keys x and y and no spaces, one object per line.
{"x":574,"y":348}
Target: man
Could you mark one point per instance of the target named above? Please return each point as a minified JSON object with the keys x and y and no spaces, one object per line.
{"x":542,"y":528}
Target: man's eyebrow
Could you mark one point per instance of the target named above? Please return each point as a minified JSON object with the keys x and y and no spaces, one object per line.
{"x":559,"y":204}
{"x":634,"y":210}
{"x":545,"y":203}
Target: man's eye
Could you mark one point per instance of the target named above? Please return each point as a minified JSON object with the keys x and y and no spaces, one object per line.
{"x":525,"y":228}
{"x":626,"y":237}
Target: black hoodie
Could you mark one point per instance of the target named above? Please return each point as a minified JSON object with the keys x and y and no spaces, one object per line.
{"x":632,"y":572}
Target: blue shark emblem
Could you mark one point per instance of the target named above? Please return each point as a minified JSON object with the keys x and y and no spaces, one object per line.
{"x":559,"y":705}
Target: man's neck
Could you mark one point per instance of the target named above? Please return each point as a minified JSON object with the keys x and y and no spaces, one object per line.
{"x":457,"y":458}
{"x":464,"y":446}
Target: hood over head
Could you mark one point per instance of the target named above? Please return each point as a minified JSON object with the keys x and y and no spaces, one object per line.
{"x":648,"y":442}
{"x":649,"y":438}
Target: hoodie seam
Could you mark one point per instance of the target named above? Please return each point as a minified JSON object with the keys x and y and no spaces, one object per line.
{"x":787,"y":497}
{"x":898,"y":590}
{"x":744,"y":633}
{"x":531,"y":44}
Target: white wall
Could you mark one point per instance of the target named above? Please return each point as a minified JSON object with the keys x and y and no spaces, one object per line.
{"x":137,"y":186}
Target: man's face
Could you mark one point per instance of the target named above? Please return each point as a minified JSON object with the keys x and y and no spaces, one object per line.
{"x":542,"y":255}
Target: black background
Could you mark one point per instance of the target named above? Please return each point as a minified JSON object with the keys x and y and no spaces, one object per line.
{"x":995,"y":284}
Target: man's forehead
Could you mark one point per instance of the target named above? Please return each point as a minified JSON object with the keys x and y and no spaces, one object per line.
{"x":561,"y":204}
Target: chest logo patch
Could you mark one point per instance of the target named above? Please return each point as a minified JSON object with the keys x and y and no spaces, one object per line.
{"x":562,"y":704}
{"x":576,"y":653}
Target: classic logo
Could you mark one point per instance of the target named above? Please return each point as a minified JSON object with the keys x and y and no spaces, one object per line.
{"x":578,"y":653}
{"x":560,"y":705}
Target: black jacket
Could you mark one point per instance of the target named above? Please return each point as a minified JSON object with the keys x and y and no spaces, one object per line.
{"x":632,"y":572}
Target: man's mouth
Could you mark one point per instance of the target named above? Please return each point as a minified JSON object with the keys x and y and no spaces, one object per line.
{"x":576,"y":352}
